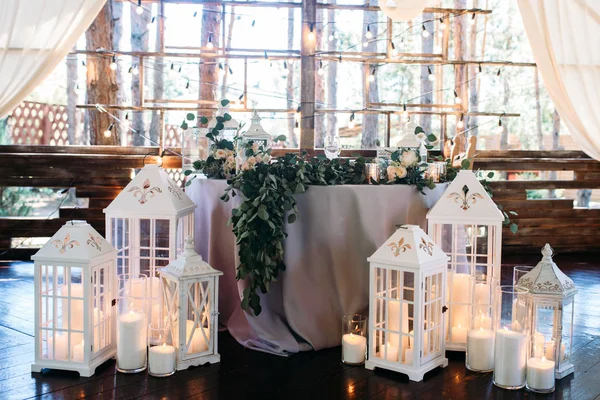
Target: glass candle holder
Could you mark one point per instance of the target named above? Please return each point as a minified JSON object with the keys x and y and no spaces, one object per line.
{"x":161,"y":352}
{"x":354,"y":339}
{"x":519,"y":271}
{"x":131,"y":323}
{"x":441,"y":170}
{"x":540,"y":370}
{"x":372,"y":172}
{"x":512,"y":305}
{"x":481,"y":335}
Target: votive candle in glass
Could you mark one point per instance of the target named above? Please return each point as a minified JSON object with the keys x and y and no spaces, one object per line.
{"x":161,"y":352}
{"x":481,"y":336}
{"x":131,"y":323}
{"x":354,"y":339}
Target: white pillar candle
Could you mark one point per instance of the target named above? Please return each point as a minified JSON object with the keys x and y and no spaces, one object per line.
{"x":154,"y":287}
{"x":161,"y":359}
{"x":76,"y":313}
{"x":460,"y":294}
{"x":57,"y":347}
{"x":482,"y":321}
{"x":510,"y":358}
{"x":198,"y":344}
{"x":131,"y":341}
{"x":459,"y":334}
{"x":392,"y":352}
{"x":77,"y":354}
{"x":394,"y":322}
{"x":480,"y":349}
{"x":412,"y":338}
{"x":482,"y":293}
{"x":354,"y":348}
{"x":540,"y":374}
{"x":155,"y":314}
{"x":408,"y":356}
{"x":538,"y":345}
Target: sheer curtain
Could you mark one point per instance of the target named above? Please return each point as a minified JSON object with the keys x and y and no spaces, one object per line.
{"x":35,"y":35}
{"x":565,"y":39}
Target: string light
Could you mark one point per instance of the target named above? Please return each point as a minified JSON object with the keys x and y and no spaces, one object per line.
{"x":77,"y":90}
{"x":149,"y":26}
{"x":480,"y":69}
{"x":180,"y":68}
{"x":230,"y":70}
{"x":241,"y":97}
{"x":366,"y":43}
{"x":221,"y":66}
{"x":209,"y":45}
{"x":425,"y":32}
{"x":297,"y":128}
{"x":498,"y":73}
{"x":298,"y":113}
{"x":500,"y":128}
{"x":130,"y":69}
{"x":442,"y":24}
{"x":457,"y":99}
{"x":311,"y":34}
{"x":127,"y":116}
{"x":394,"y":52}
{"x":253,"y":22}
{"x":187,"y":85}
{"x":472,"y":20}
{"x":135,"y":71}
{"x":113,"y":64}
{"x":108,"y":132}
{"x":285,"y":68}
{"x":460,"y":124}
{"x":372,"y":76}
{"x":332,"y":36}
{"x":351,"y":124}
{"x":368,"y":34}
{"x":172,"y":70}
{"x":83,"y":65}
{"x":195,"y":14}
{"x":266,"y":55}
{"x":320,"y":71}
{"x":431,"y":76}
{"x":405,"y":111}
{"x":139,"y":10}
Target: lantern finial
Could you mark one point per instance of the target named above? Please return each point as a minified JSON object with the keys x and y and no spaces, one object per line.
{"x":547,"y":251}
{"x":188,"y":248}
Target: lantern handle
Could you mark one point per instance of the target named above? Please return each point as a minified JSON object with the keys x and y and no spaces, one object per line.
{"x":154,"y":153}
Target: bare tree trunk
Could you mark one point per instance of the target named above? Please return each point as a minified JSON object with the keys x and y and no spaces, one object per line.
{"x":293,"y":138}
{"x":555,"y":146}
{"x":227,"y":45}
{"x":119,"y":131}
{"x":460,"y":52}
{"x":538,"y":110}
{"x":319,"y":88}
{"x":72,"y":92}
{"x":426,"y":84}
{"x":159,"y":79}
{"x":139,"y":42}
{"x":101,"y":81}
{"x":209,"y":72}
{"x":332,"y":77}
{"x":473,"y":95}
{"x":370,"y":121}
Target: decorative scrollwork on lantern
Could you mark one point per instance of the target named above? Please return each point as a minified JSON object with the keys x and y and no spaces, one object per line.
{"x":95,"y":242}
{"x":465,"y":198}
{"x":400,"y":247}
{"x":65,"y":244}
{"x":426,"y":246}
{"x":144,"y":191}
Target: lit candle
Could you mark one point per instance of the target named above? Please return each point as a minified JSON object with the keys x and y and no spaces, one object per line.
{"x":77,"y":354}
{"x":482,"y":321}
{"x":408,"y":356}
{"x":57,"y":347}
{"x":354,"y":348}
{"x":549,"y":353}
{"x":540,"y":374}
{"x":459,"y":334}
{"x":538,"y":345}
{"x":460,"y":294}
{"x":482,"y":293}
{"x":131,"y":341}
{"x":161,"y":359}
{"x":392,"y":352}
{"x":198,"y":343}
{"x":137,"y":293}
{"x":510,"y":358}
{"x":76,"y":313}
{"x":394,"y":322}
{"x":480,"y":349}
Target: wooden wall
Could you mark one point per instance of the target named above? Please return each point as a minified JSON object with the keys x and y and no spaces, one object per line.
{"x":99,"y":173}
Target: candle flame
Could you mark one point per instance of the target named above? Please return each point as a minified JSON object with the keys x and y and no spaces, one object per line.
{"x":164,"y":345}
{"x":543,"y":359}
{"x":356,"y":328}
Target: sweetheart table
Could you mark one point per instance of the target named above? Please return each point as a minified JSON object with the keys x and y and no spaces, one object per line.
{"x":326,"y":252}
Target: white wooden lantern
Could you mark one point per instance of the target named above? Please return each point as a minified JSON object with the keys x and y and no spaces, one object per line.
{"x":467,"y":225}
{"x":255,"y":135}
{"x":148,"y":222}
{"x":407,"y":283}
{"x":553,"y":298}
{"x":74,"y":300}
{"x":191,"y":299}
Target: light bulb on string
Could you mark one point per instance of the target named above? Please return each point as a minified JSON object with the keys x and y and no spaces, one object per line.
{"x":286,"y":71}
{"x":298,"y":113}
{"x":77,"y":90}
{"x":405,"y":112}
{"x":135,"y":71}
{"x":442,"y":24}
{"x":394,"y":52}
{"x":460,"y":124}
{"x":311,"y":33}
{"x":83,"y":65}
{"x":372,"y":76}
{"x":431,"y":76}
{"x":425,"y":32}
{"x":472,"y":20}
{"x":172,"y":70}
{"x":230,"y":70}
{"x":209,"y":45}
{"x":195,"y":14}
{"x":498,"y":73}
{"x":366,"y":43}
{"x":368,"y":34}
{"x":457,"y":99}
{"x":332,"y":36}
{"x":351,"y":124}
{"x":187,"y":85}
{"x":139,"y":10}
{"x":296,"y":128}
{"x":149,"y":26}
{"x":499,"y":128}
{"x":321,"y":71}
{"x":108,"y":131}
{"x":113,"y":63}
{"x":480,"y":69}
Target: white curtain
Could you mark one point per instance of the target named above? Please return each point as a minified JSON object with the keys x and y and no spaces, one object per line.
{"x":565,"y":39}
{"x":35,"y":35}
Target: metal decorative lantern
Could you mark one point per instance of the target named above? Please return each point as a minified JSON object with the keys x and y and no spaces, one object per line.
{"x":194,"y":147}
{"x":406,"y":303}
{"x":255,"y":137}
{"x":74,"y":294}
{"x":191,"y":298}
{"x":230,"y":127}
{"x":552,"y":297}
{"x":467,"y":225}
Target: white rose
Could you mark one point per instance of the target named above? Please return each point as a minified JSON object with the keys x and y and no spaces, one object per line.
{"x":252,"y":161}
{"x":409,"y":158}
{"x":245,"y":166}
{"x":220,"y":153}
{"x":394,"y":172}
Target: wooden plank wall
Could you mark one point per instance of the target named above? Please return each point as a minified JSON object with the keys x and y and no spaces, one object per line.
{"x":99,"y":173}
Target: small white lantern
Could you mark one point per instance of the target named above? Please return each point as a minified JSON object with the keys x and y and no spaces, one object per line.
{"x":409,"y":138}
{"x":194,"y":146}
{"x":255,"y":135}
{"x":191,"y":298}
{"x":406,"y":302}
{"x":553,"y":298}
{"x":147,"y":223}
{"x":467,"y":225}
{"x":230,"y":128}
{"x":74,"y":300}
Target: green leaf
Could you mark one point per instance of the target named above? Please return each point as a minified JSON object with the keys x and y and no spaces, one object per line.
{"x":418,"y":130}
{"x":280,"y":138}
{"x":262,"y":212}
{"x":514,"y":228}
{"x":219,"y":126}
{"x":428,"y":146}
{"x":226,"y":117}
{"x":490,"y":175}
{"x":464,"y":164}
{"x":184,"y":125}
{"x":291,"y":218}
{"x":431,"y":137}
{"x":203,"y":120}
{"x":190,"y":116}
{"x":187,"y":172}
{"x":513,"y":212}
{"x":224,"y":102}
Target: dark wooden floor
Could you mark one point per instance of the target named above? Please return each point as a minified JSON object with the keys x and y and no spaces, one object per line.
{"x":245,"y":374}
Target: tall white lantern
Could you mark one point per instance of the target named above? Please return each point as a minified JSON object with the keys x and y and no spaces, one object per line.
{"x":467,"y":225}
{"x":255,"y":135}
{"x":147,"y":223}
{"x":406,"y":303}
{"x":553,"y":298}
{"x":191,"y":298}
{"x":74,"y":282}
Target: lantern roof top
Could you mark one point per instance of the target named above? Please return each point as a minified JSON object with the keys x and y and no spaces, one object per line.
{"x":189,"y":264}
{"x":546,"y":278}
{"x":221,"y":111}
{"x":466,"y":201}
{"x":408,"y":246}
{"x":256,"y":131}
{"x":76,"y":242}
{"x":152,"y":193}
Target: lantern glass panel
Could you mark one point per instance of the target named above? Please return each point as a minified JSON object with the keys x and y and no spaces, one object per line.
{"x":432,"y":317}
{"x":119,"y":236}
{"x":565,"y":348}
{"x":198,"y":316}
{"x":185,"y":228}
{"x":154,"y":245}
{"x":101,"y":307}
{"x":194,"y":147}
